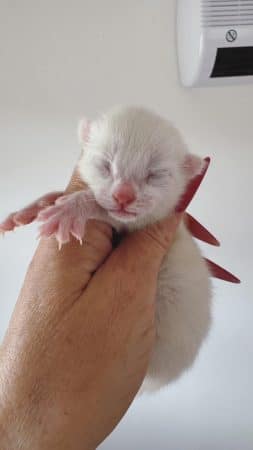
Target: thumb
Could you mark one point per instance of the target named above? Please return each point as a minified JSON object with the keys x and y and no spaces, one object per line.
{"x":140,"y":254}
{"x":152,"y":243}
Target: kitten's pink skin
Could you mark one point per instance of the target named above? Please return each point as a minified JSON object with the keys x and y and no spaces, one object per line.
{"x":124,"y":194}
{"x":8,"y":224}
{"x":68,"y":216}
{"x":29,"y":213}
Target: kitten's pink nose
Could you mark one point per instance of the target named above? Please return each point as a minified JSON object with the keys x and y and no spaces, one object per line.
{"x":124,"y":194}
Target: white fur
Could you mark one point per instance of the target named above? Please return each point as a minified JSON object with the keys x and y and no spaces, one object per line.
{"x":135,"y":142}
{"x":183,"y":312}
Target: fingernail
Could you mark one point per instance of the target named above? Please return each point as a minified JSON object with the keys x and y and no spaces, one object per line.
{"x":213,"y":241}
{"x":192,"y":188}
{"x":221,"y":273}
{"x":199,"y":231}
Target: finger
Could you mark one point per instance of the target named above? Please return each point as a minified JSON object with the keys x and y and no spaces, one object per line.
{"x":76,"y":183}
{"x":49,"y":199}
{"x":133,"y":268}
{"x":96,"y":246}
{"x":192,"y":188}
{"x":222,"y":274}
{"x":62,"y":276}
{"x":199,"y":232}
{"x":150,"y":244}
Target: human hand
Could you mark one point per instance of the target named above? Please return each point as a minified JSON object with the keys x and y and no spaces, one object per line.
{"x":78,"y":344}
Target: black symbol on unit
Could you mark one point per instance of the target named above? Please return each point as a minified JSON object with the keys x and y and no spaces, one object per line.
{"x":231,"y":35}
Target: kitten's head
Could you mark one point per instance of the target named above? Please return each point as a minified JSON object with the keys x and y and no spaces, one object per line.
{"x":136,"y":164}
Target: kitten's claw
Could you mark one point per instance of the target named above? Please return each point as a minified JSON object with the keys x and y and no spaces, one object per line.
{"x":78,"y":229}
{"x":65,"y":219}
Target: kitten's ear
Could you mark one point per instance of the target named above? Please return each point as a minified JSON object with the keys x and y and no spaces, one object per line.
{"x":193,"y":165}
{"x":83,"y":130}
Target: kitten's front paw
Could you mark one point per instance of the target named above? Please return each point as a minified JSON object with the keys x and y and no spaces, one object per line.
{"x":8,"y":224}
{"x":67,"y":217}
{"x":29,"y":213}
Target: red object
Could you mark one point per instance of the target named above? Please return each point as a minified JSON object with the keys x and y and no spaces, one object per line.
{"x":222,"y":274}
{"x":199,"y":232}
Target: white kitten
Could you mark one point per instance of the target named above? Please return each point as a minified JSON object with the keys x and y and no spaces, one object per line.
{"x":142,"y":156}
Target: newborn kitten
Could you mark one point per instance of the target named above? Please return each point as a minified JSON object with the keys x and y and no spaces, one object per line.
{"x":137,"y":167}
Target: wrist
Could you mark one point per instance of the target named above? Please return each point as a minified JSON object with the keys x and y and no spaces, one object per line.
{"x":18,"y":425}
{"x":21,"y":429}
{"x":6,"y":441}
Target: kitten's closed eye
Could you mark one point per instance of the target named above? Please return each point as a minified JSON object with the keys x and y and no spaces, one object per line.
{"x":104,"y":167}
{"x":156,"y":175}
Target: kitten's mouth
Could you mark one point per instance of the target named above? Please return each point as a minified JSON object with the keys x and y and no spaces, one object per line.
{"x":122,"y":214}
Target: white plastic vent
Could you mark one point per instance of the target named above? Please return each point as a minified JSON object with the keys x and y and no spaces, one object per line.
{"x":216,"y":13}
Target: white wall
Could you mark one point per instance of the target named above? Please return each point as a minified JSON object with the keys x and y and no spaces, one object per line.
{"x":60,"y":60}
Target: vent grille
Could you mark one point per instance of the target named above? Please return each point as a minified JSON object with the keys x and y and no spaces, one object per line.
{"x":217,"y":13}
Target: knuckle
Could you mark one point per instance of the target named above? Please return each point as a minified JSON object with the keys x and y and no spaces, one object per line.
{"x":159,"y":237}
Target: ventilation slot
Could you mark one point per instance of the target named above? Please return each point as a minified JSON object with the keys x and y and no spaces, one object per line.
{"x":233,"y":62}
{"x":217,"y":13}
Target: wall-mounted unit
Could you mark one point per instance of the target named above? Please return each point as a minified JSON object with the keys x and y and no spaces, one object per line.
{"x":215,"y":41}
